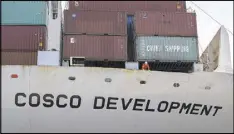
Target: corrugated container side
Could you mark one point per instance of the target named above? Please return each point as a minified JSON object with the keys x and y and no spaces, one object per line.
{"x":165,"y":6}
{"x":24,"y":12}
{"x":91,"y":22}
{"x":23,"y":37}
{"x":128,"y":6}
{"x":19,"y":58}
{"x":112,"y":48}
{"x":166,"y":23}
{"x":166,"y":48}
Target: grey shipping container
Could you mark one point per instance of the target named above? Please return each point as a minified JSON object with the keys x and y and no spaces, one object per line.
{"x":23,"y":38}
{"x":24,"y":12}
{"x":165,"y":49}
{"x":166,"y":23}
{"x":19,"y":58}
{"x":128,"y":6}
{"x":91,"y":22}
{"x":112,"y":48}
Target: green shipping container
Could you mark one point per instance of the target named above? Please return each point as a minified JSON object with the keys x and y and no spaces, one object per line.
{"x":166,"y":49}
{"x":24,"y":12}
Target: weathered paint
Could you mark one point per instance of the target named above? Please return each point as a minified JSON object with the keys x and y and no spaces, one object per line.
{"x":18,"y":58}
{"x":128,"y":6}
{"x":166,"y":48}
{"x":112,"y":48}
{"x":96,"y":23}
{"x":200,"y":88}
{"x":149,"y":23}
{"x":24,"y":38}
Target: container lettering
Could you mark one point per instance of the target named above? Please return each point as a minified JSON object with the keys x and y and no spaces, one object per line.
{"x":156,"y":48}
{"x":177,"y":49}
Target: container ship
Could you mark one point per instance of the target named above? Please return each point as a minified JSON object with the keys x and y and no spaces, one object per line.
{"x":79,"y":69}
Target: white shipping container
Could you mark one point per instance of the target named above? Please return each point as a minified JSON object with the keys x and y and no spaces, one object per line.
{"x":132,"y":65}
{"x":48,"y":58}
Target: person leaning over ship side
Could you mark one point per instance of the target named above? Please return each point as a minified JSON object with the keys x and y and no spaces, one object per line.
{"x":145,"y":66}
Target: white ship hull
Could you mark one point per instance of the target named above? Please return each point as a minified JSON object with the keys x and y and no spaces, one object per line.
{"x":199,"y":102}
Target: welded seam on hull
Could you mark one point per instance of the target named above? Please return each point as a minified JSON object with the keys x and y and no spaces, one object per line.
{"x":29,"y":117}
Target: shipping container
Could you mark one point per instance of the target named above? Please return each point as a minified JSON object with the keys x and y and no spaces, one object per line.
{"x":166,"y":49}
{"x":165,"y":24}
{"x":48,"y":58}
{"x":23,"y":38}
{"x":128,"y":6}
{"x":112,"y":48}
{"x":24,"y":12}
{"x":165,"y":6}
{"x":19,"y":58}
{"x":91,"y":22}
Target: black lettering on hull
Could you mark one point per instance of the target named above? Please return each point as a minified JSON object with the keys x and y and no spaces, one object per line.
{"x":72,"y":99}
{"x":17,"y":103}
{"x":111,"y":103}
{"x":34,"y":95}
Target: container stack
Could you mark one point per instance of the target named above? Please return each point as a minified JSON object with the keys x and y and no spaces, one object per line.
{"x":166,"y":39}
{"x":23,"y":31}
{"x":156,"y":31}
{"x":97,"y":36}
{"x":171,"y":39}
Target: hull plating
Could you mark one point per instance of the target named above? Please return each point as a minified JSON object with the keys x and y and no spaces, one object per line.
{"x":158,"y":94}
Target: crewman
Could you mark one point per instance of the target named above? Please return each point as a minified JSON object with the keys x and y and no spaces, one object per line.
{"x":145,"y":66}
